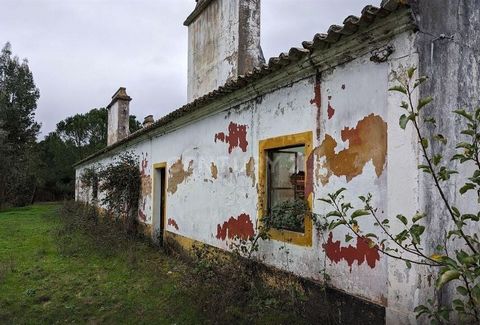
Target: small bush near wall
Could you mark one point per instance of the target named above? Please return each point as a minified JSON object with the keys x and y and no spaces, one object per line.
{"x":119,"y":182}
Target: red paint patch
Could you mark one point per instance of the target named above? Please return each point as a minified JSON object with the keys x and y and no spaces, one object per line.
{"x":172,"y":222}
{"x":241,"y":227}
{"x":360,"y":253}
{"x":236,"y":138}
{"x":142,"y":216}
{"x":330,"y":111}
{"x":144,"y":165}
{"x":309,"y":176}
{"x":317,"y":100}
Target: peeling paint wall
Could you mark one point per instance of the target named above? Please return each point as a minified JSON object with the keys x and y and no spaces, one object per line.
{"x":212,"y":171}
{"x":223,"y":42}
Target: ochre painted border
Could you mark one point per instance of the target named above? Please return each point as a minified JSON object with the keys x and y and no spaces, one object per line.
{"x":305,"y":138}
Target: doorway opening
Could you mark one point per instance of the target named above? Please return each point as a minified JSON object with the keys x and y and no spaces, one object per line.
{"x":159,"y":201}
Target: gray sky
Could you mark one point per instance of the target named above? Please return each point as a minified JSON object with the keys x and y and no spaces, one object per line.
{"x":81,"y":51}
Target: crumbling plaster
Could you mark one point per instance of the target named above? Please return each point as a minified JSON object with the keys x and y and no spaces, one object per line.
{"x":355,"y":90}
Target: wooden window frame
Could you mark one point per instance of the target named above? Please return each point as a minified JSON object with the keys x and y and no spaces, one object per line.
{"x":291,"y":140}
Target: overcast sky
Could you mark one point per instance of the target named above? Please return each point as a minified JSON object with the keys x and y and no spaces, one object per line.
{"x":81,"y":51}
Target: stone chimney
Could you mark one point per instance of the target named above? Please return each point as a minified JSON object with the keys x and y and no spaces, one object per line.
{"x":118,"y":116}
{"x":223,"y":43}
{"x":148,"y":120}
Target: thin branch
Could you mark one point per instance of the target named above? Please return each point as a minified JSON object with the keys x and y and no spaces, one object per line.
{"x":470,"y":296}
{"x":432,"y":170}
{"x":378,"y":246}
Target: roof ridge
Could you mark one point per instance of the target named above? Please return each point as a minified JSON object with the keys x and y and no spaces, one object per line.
{"x":351,"y":25}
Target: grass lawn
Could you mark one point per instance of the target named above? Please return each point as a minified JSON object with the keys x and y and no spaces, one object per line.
{"x":43,"y":280}
{"x":58,"y":270}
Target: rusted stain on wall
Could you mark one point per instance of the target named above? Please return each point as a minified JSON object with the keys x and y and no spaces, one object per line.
{"x":309,"y":175}
{"x":173,"y":223}
{"x":241,"y":227}
{"x":177,"y":174}
{"x":250,"y":169}
{"x":214,"y":170}
{"x":141,"y":214}
{"x":317,"y":100}
{"x":236,"y":137}
{"x":361,"y":252}
{"x":330,"y":111}
{"x":146,"y":179}
{"x":367,"y":141}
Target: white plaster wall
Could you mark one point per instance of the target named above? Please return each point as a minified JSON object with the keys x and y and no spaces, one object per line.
{"x":354,"y":90}
{"x":213,"y":47}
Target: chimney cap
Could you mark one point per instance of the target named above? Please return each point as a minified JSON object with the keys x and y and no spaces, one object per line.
{"x":148,"y":120}
{"x":200,"y":6}
{"x":120,"y":94}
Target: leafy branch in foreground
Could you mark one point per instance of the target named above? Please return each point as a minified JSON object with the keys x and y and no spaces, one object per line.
{"x":460,"y":264}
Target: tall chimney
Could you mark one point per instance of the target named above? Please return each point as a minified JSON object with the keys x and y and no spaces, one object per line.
{"x":223,"y":43}
{"x":118,"y":116}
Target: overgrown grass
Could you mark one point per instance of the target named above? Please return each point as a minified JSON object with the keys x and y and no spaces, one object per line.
{"x":53,"y":272}
{"x":58,"y":264}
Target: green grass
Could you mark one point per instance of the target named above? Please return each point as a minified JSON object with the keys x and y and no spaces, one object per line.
{"x":49,"y":276}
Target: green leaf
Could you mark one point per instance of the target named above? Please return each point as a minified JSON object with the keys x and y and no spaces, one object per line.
{"x":440,"y":138}
{"x":402,"y":218}
{"x":463,"y":113}
{"x":446,"y":277}
{"x":420,"y":310}
{"x":326,"y":200}
{"x":359,"y":213}
{"x":371,"y":235}
{"x":401,"y":236}
{"x":436,"y":159}
{"x":420,"y":81}
{"x":456,"y":212}
{"x":476,"y":293}
{"x":333,"y":214}
{"x":416,"y":231}
{"x":424,"y":143}
{"x":338,"y":192}
{"x":418,"y":216}
{"x":467,"y":187}
{"x":410,"y":72}
{"x":430,"y":120}
{"x":348,"y":238}
{"x":409,"y":264}
{"x":468,"y":132}
{"x":424,"y":101}
{"x":403,"y":121}
{"x":424,"y":168}
{"x":399,"y":89}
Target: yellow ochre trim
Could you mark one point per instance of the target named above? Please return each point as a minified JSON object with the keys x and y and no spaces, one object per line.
{"x":305,"y":138}
{"x":157,"y":197}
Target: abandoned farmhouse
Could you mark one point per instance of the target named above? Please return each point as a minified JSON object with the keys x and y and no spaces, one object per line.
{"x":256,"y":133}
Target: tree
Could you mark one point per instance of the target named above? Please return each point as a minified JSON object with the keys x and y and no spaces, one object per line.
{"x":18,"y":129}
{"x":75,"y":138}
{"x":88,"y":132}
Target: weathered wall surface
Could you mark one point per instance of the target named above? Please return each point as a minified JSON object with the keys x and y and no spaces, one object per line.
{"x":212,"y":167}
{"x":223,"y":42}
{"x":448,"y":45}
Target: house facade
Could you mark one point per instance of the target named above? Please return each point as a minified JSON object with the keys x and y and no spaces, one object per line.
{"x":297,"y":127}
